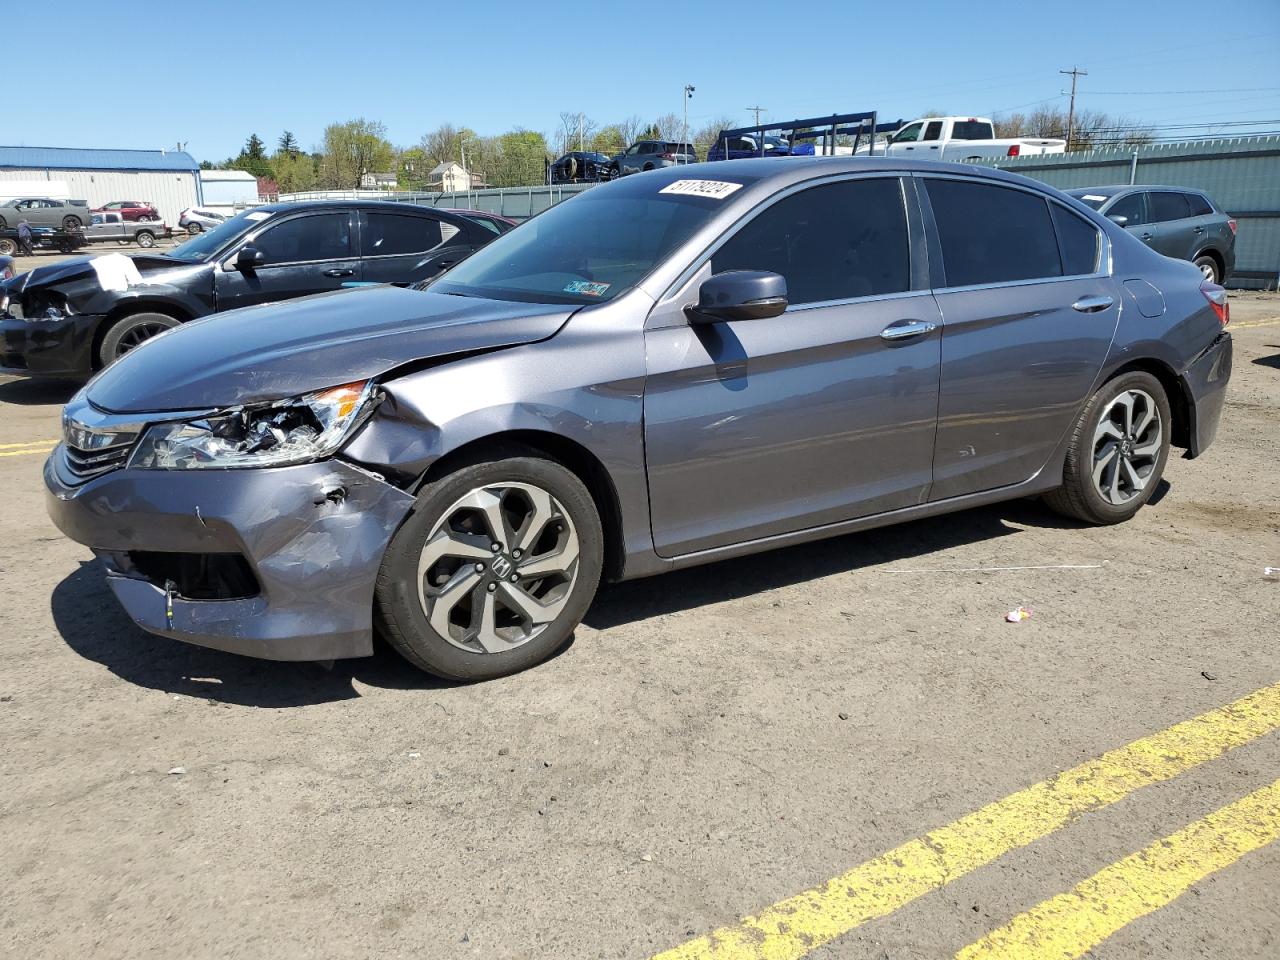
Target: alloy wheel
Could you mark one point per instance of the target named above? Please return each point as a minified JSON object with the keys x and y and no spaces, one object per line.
{"x":137,"y":335}
{"x":1126,"y":446}
{"x":1209,"y":271}
{"x":498,"y":567}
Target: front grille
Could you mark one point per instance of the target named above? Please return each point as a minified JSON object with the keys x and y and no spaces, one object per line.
{"x":87,"y":464}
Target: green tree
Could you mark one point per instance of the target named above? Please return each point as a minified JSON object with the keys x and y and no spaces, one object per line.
{"x":295,"y":172}
{"x":287,"y":143}
{"x":521,"y":158}
{"x":252,"y":158}
{"x":351,"y":150}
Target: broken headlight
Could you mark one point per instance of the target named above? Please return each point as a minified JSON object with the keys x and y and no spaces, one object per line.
{"x":298,"y":430}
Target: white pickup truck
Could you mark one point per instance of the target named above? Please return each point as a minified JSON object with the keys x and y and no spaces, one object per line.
{"x":961,"y":139}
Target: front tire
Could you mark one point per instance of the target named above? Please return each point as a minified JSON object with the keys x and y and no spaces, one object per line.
{"x":1117,"y":453}
{"x":71,"y":223}
{"x":132,"y":331}
{"x":194,"y":228}
{"x":8,"y":247}
{"x":493,"y":570}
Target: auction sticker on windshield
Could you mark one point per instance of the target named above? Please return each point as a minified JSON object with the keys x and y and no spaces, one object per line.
{"x":586,"y":287}
{"x":715,"y":189}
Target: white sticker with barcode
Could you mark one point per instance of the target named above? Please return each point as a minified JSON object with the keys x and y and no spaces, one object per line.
{"x":715,"y":189}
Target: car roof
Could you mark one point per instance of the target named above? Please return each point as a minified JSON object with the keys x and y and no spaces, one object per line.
{"x":281,"y":206}
{"x":1120,"y":188}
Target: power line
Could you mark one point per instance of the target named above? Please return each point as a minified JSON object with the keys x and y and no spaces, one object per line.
{"x":757,"y":111}
{"x":1170,"y":93}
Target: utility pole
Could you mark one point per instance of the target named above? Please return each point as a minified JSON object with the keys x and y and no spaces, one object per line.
{"x":757,"y":111}
{"x":1075,"y":73}
{"x":688,"y":95}
{"x":579,"y":132}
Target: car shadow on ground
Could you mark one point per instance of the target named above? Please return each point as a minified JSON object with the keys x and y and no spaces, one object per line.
{"x":634,"y":600}
{"x":38,"y":391}
{"x":1271,"y":360}
{"x":94,"y":625}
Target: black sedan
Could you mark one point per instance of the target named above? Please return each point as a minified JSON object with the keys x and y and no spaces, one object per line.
{"x":580,"y":167}
{"x":71,"y":318}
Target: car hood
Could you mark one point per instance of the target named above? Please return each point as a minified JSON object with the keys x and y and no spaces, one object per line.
{"x":69,"y":275}
{"x":282,"y":350}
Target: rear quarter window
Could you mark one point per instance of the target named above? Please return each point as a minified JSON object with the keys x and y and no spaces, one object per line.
{"x":992,"y":234}
{"x":1200,"y":207}
{"x":389,"y":234}
{"x":1079,"y":242}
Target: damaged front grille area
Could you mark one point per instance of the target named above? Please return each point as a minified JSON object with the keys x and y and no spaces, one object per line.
{"x":95,"y":442}
{"x":191,"y":576}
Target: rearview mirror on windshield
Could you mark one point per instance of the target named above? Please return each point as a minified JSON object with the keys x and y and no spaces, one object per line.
{"x":739,"y":295}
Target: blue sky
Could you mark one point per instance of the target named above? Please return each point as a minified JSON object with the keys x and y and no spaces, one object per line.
{"x":232,"y":67}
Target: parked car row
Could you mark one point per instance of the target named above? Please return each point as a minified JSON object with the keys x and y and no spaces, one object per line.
{"x":68,"y":319}
{"x":641,"y":156}
{"x":693,"y":364}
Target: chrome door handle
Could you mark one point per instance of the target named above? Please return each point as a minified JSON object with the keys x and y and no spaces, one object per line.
{"x":906,"y":329}
{"x":338,"y":272}
{"x":1147,"y":236}
{"x":1092,"y":304}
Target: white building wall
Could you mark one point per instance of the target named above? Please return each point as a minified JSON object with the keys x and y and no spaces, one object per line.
{"x":170,"y":191}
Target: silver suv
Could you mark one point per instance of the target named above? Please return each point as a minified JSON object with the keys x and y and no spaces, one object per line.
{"x":650,"y":155}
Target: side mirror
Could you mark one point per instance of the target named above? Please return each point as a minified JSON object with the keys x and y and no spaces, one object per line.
{"x":250,"y":258}
{"x":1118,"y":218}
{"x":739,"y":295}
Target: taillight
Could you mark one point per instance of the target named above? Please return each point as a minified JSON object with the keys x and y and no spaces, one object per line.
{"x":668,"y":156}
{"x":1217,"y":297}
{"x":1232,"y":225}
{"x":1014,"y":150}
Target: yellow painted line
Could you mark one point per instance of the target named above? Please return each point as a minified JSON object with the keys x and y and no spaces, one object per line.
{"x":1073,"y":923}
{"x":25,"y":453}
{"x":793,"y":927}
{"x":1255,"y":323}
{"x":29,"y":443}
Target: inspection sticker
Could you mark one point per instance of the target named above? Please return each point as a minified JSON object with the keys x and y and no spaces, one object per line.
{"x":586,"y":288}
{"x":715,"y":189}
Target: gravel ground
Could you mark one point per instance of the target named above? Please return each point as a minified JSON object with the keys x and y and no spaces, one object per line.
{"x":713,"y":741}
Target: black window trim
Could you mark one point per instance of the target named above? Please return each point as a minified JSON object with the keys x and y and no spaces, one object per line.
{"x":935,"y":241}
{"x":918,"y":259}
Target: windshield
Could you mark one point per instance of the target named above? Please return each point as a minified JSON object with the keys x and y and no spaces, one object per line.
{"x":204,"y":245}
{"x":588,"y":249}
{"x":1094,"y":200}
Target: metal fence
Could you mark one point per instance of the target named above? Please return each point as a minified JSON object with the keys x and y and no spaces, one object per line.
{"x":1241,"y":174}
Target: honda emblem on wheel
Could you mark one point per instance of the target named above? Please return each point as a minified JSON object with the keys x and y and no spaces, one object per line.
{"x":501,"y":566}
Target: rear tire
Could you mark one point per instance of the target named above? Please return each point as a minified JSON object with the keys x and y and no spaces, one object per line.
{"x":482,"y":623}
{"x":71,"y":223}
{"x":1117,"y":453}
{"x":8,"y":247}
{"x":145,"y":238}
{"x":130,"y":331}
{"x":1209,"y":268}
{"x":194,"y":228}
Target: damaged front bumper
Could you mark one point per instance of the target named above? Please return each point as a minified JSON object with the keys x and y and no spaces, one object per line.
{"x":49,"y":348}
{"x":276,"y":563}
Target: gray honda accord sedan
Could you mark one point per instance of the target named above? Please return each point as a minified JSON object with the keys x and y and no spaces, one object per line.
{"x":678,"y":367}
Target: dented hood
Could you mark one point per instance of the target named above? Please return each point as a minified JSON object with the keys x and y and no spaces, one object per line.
{"x":282,"y":350}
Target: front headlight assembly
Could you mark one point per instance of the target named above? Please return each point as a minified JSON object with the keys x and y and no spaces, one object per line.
{"x":297,"y":430}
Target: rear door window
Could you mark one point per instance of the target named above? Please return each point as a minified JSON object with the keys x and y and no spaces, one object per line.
{"x":1168,"y":206}
{"x":992,"y":234}
{"x":832,"y":242}
{"x":325,"y":236}
{"x":1200,"y":207}
{"x":933,"y":131}
{"x":395,"y":234}
{"x":1079,"y":242}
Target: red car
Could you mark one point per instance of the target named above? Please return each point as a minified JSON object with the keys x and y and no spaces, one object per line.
{"x":131,"y":210}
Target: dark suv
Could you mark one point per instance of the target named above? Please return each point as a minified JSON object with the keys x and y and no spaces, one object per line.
{"x":650,"y":155}
{"x":1178,"y":222}
{"x":71,"y":318}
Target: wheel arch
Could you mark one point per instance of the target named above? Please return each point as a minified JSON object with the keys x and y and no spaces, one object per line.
{"x":1174,"y":389}
{"x":1218,"y":259}
{"x":571,"y":455}
{"x":126,"y":309}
